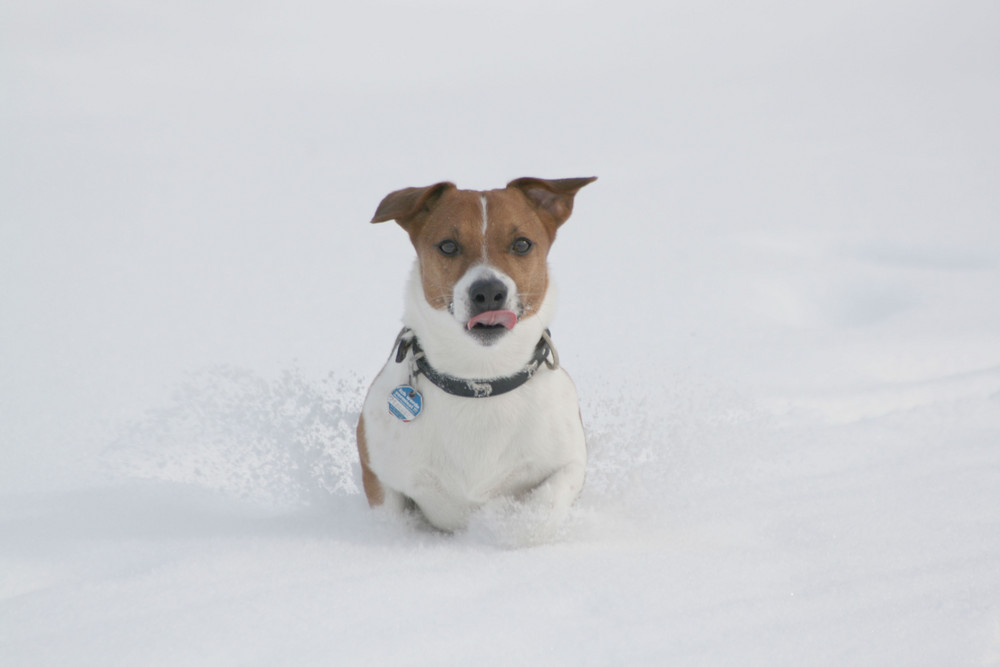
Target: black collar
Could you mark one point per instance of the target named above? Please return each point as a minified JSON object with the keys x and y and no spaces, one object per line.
{"x":473,"y":388}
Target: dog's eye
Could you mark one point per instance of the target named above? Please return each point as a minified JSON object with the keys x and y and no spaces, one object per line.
{"x":521,"y":246}
{"x":448,"y":248}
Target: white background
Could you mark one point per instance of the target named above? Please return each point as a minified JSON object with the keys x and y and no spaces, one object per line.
{"x":779,"y":302}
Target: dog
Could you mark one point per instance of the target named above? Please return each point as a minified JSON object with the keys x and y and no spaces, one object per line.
{"x":472,"y":406}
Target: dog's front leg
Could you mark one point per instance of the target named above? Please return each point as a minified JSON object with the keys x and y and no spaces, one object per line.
{"x":554,"y":496}
{"x":535,"y":516}
{"x":378,"y":494}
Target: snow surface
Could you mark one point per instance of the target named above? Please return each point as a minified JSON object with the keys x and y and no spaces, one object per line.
{"x":779,"y":302}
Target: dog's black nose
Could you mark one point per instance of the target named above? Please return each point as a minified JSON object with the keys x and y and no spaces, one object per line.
{"x":488,"y":294}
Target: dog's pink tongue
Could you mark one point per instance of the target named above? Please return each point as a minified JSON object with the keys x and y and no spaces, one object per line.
{"x":493,"y":317}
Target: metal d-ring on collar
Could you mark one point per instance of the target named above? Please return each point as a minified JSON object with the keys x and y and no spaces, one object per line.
{"x":476,"y":388}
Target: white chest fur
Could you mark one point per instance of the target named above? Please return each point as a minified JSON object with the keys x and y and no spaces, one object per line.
{"x":461,"y":452}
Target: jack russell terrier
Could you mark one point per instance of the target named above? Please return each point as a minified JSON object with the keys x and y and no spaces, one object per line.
{"x":472,"y":405}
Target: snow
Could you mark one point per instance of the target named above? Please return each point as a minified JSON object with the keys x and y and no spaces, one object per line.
{"x":779,"y":304}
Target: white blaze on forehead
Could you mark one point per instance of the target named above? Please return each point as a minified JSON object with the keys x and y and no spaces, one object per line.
{"x":486,"y":221}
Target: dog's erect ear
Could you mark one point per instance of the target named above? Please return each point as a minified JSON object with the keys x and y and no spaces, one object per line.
{"x":404,"y":205}
{"x":555,"y":198}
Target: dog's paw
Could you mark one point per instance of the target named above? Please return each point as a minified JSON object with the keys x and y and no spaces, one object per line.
{"x":515,"y":524}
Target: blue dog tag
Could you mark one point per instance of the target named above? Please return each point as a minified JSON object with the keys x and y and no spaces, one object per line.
{"x":405,"y":403}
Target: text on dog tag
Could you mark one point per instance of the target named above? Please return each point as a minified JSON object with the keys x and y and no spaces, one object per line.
{"x":405,"y":403}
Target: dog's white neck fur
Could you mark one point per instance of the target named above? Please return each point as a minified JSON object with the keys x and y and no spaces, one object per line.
{"x":451,"y":349}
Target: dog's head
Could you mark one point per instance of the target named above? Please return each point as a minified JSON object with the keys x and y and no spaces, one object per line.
{"x":483,"y":255}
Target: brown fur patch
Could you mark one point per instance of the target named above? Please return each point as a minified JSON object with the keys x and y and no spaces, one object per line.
{"x":458,"y":217}
{"x":373,"y":487}
{"x":532,"y":208}
{"x":512,"y":217}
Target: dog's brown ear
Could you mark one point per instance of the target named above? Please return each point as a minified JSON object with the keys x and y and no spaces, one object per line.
{"x":553,"y":197}
{"x":404,"y":205}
